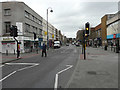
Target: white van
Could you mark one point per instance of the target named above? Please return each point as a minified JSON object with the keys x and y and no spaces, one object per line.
{"x":56,"y":44}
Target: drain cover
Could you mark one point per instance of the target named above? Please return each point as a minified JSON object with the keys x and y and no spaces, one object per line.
{"x":92,"y":72}
{"x":98,"y":72}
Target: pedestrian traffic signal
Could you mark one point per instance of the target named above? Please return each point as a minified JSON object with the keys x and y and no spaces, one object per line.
{"x":87,"y":27}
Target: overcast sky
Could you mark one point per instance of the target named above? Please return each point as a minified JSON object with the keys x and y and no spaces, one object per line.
{"x":70,"y":15}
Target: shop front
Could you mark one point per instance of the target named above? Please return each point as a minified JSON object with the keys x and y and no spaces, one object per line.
{"x":8,"y":45}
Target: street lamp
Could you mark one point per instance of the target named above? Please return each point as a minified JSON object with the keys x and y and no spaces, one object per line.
{"x":47,"y":27}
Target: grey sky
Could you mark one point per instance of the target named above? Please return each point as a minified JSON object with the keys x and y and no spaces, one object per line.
{"x":71,"y":15}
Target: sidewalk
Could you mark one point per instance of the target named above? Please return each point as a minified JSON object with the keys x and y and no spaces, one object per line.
{"x":99,"y":70}
{"x":11,"y":57}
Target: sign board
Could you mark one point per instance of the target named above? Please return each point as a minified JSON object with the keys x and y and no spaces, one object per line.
{"x":7,"y":39}
{"x":20,"y":28}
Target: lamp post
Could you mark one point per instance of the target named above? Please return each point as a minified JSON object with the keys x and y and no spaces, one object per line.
{"x":47,"y":27}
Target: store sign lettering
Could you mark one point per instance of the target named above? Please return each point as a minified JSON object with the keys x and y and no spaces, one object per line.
{"x":7,"y":39}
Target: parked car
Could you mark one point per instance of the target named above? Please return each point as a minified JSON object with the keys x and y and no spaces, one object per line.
{"x":57,"y":44}
{"x":67,"y":44}
{"x":77,"y":44}
{"x":73,"y":43}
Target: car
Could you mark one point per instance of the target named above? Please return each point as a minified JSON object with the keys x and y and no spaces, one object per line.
{"x":56,"y":44}
{"x":77,"y":44}
{"x":73,"y":43}
{"x":67,"y":44}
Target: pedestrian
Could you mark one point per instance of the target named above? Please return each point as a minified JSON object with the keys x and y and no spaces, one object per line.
{"x":44,"y":50}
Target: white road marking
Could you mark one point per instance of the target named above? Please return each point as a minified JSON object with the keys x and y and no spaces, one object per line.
{"x":27,"y":67}
{"x":8,"y":76}
{"x":33,"y":65}
{"x":22,"y":63}
{"x":2,"y":66}
{"x":56,"y":76}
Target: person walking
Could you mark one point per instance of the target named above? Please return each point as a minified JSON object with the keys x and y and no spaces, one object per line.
{"x":44,"y":50}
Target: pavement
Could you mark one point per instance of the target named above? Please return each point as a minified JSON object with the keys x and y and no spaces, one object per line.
{"x":12,"y":57}
{"x":99,"y":70}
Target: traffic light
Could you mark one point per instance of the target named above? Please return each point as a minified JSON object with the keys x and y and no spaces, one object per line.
{"x":87,"y":28}
{"x":13,"y":31}
{"x":34,"y":35}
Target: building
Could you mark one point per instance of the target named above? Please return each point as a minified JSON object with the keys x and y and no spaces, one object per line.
{"x":113,"y":31}
{"x":92,"y":37}
{"x":28,"y":22}
{"x":104,"y":27}
{"x":98,"y":39}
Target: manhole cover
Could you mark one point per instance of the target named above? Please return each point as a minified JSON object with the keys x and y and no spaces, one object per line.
{"x":98,"y":73}
{"x":92,"y":72}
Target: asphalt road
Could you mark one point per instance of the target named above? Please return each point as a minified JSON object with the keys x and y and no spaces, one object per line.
{"x":40,"y":72}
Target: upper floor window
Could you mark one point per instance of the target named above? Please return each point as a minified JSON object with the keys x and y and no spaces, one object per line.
{"x":27,"y":27}
{"x":40,"y":22}
{"x":27,"y":14}
{"x":40,"y":32}
{"x":7,"y":27}
{"x":7,"y":11}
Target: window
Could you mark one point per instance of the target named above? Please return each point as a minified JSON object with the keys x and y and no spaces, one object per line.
{"x":40,"y":22}
{"x":7,"y":11}
{"x":27,"y":14}
{"x":33,"y":17}
{"x":7,"y":27}
{"x":27,"y":27}
{"x":40,"y":32}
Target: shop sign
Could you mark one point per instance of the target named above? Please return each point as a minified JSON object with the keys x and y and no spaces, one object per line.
{"x":114,"y":35}
{"x":8,"y":39}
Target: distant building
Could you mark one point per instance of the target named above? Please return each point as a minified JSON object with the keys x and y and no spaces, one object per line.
{"x":104,"y":27}
{"x":98,"y":38}
{"x":113,"y":29}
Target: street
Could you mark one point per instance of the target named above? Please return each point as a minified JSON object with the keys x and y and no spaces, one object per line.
{"x":40,"y":72}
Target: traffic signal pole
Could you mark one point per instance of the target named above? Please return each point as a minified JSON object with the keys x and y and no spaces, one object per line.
{"x":14,"y":33}
{"x":84,"y":45}
{"x":85,"y":34}
{"x":18,"y":52}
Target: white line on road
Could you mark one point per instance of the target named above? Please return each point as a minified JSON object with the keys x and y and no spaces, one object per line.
{"x":27,"y":67}
{"x":22,"y":63}
{"x":56,"y":77}
{"x":8,"y":76}
{"x":33,"y":65}
{"x":2,"y":66}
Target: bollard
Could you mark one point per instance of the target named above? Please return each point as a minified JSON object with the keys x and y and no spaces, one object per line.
{"x":7,"y":52}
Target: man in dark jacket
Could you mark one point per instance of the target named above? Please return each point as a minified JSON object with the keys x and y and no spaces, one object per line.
{"x":44,"y":50}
